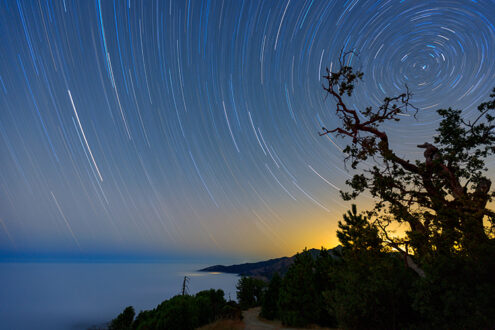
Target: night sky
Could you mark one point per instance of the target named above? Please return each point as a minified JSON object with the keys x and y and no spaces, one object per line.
{"x":153,"y":128}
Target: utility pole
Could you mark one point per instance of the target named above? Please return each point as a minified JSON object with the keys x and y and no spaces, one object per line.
{"x":184,"y":285}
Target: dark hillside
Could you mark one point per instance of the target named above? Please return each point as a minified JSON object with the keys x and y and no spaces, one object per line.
{"x":264,"y":269}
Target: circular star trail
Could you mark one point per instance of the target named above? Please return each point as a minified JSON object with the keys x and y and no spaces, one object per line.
{"x":158,"y":127}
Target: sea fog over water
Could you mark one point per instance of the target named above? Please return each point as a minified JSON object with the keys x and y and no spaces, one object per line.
{"x":84,"y":295}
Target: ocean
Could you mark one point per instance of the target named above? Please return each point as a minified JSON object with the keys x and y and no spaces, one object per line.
{"x":88,"y":295}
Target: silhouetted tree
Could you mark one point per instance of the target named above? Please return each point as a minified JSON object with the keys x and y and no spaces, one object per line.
{"x":442,"y":198}
{"x":324,"y":281}
{"x":370,"y":285}
{"x":356,"y":233}
{"x":269,"y":308}
{"x":298,"y":306}
{"x":210,"y":305}
{"x":250,"y":292}
{"x":179,"y":312}
{"x":124,"y":320}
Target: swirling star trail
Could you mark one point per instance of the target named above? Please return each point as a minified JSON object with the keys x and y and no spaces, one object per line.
{"x":191,"y":126}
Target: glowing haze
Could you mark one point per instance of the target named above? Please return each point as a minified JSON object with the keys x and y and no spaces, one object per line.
{"x":190,"y":127}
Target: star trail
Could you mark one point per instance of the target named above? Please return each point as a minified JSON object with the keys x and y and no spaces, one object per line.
{"x":156,"y":127}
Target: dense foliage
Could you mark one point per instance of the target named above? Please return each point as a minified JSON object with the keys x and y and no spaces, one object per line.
{"x":124,"y":320}
{"x":371,"y":285}
{"x":297,"y":302}
{"x":180,"y":312}
{"x":269,"y":308}
{"x":250,"y":292}
{"x":298,"y":299}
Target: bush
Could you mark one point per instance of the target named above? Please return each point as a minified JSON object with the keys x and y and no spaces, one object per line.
{"x":210,"y":304}
{"x":372,"y":292}
{"x":457,"y":293}
{"x":250,"y":292}
{"x":269,"y":308}
{"x":297,"y":294}
{"x":124,"y":320}
{"x":231,"y":310}
{"x":179,"y":312}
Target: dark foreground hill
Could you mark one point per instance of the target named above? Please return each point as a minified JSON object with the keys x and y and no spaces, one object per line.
{"x":264,"y":269}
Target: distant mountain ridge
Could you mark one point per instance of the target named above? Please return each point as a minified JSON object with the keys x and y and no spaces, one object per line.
{"x":265,"y":269}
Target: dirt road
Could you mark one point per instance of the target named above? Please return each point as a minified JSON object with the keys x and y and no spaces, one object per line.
{"x":252,"y":322}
